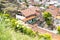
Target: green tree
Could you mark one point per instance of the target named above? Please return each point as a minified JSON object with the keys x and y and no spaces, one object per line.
{"x":48,"y":17}
{"x":58,"y":29}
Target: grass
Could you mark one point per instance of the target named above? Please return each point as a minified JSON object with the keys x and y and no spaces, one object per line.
{"x":10,"y":34}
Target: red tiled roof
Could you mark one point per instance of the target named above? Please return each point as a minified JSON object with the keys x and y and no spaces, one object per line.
{"x":29,"y":11}
{"x":54,"y":12}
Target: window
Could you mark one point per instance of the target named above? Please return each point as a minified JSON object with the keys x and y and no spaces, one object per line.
{"x":32,"y":21}
{"x":19,"y":13}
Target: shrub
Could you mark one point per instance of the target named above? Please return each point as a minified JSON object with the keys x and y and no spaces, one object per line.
{"x":13,"y":23}
{"x":25,"y":30}
{"x":45,"y":36}
{"x":58,"y":29}
{"x":30,"y":32}
{"x":48,"y":17}
{"x":6,"y":15}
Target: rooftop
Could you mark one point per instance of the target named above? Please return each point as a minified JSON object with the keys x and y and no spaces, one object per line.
{"x":29,"y":11}
{"x":53,"y":10}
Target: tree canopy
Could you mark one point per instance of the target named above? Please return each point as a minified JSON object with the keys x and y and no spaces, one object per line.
{"x":48,"y":17}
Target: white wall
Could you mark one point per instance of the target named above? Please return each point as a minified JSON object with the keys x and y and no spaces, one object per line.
{"x":20,"y":17}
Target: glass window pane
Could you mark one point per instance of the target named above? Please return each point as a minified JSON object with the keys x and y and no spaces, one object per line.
{"x":32,"y":21}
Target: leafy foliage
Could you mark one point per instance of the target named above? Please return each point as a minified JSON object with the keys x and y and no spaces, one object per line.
{"x":48,"y":17}
{"x":58,"y":29}
{"x":24,"y":29}
{"x":45,"y":36}
{"x":7,"y":26}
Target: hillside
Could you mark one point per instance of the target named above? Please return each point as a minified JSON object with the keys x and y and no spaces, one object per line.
{"x":11,"y":29}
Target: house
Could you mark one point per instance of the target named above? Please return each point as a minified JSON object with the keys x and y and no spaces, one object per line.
{"x":53,"y":10}
{"x":30,"y":15}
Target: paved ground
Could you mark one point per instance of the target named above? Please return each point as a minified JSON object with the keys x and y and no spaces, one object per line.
{"x":36,"y":28}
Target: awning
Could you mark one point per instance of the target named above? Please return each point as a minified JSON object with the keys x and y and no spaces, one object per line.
{"x":29,"y":18}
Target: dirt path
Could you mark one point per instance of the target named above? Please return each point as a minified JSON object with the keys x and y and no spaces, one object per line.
{"x":42,"y":31}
